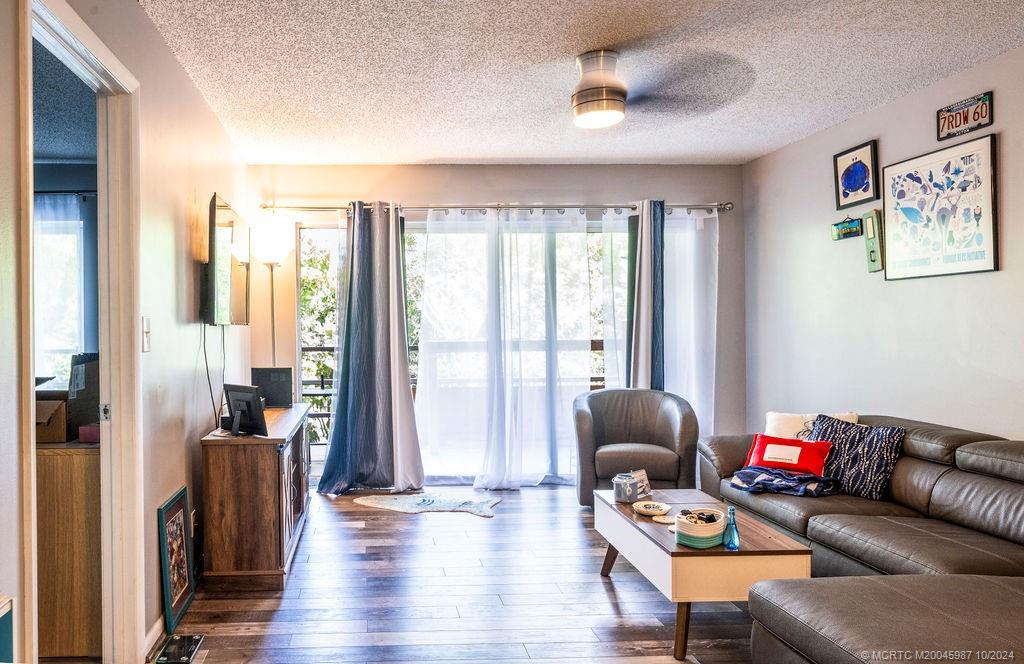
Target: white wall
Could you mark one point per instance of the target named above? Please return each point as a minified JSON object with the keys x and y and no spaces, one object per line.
{"x":185,"y":156}
{"x":823,"y":334}
{"x":10,"y":433}
{"x":439,"y":184}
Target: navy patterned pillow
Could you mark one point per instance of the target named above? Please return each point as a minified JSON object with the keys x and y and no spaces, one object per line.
{"x":862,"y":457}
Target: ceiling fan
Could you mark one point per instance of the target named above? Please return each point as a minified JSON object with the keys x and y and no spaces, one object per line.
{"x":693,"y":85}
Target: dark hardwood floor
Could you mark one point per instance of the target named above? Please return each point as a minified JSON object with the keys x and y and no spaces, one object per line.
{"x":371,"y":585}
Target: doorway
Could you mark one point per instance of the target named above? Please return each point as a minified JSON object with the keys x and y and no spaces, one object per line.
{"x":78,"y":282}
{"x":65,"y":312}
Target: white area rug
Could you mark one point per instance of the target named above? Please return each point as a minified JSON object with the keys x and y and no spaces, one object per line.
{"x":425,"y":502}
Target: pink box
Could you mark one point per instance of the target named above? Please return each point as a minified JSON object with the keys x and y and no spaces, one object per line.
{"x":89,"y":433}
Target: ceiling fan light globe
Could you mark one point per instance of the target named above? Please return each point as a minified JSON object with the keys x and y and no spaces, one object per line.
{"x":599,"y":99}
{"x":598,"y":118}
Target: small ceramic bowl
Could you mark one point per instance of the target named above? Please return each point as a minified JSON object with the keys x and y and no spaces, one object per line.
{"x":650,"y":508}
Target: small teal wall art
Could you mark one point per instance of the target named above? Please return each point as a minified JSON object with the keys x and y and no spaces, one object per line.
{"x":847,"y":228}
{"x":856,"y":175}
{"x":872,"y":222}
{"x":940,"y":212}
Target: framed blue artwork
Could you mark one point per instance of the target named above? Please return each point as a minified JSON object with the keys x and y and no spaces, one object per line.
{"x":856,"y":175}
{"x":940,"y":212}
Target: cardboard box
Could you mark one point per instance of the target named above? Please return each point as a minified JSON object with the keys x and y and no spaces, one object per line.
{"x":51,"y":422}
{"x":83,"y":392}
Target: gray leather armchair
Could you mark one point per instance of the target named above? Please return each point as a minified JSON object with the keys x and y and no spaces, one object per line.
{"x":619,"y":430}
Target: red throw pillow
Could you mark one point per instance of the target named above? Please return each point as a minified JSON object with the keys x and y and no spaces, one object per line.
{"x":794,"y":455}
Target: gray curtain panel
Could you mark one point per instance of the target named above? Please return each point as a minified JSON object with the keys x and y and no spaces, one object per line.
{"x":645,"y":326}
{"x":374,"y":430}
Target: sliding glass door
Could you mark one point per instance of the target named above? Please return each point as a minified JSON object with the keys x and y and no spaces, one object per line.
{"x":319,"y":252}
{"x":511,"y":315}
{"x":506,"y":319}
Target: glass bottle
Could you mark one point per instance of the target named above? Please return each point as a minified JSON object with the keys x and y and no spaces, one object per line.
{"x":731,"y":537}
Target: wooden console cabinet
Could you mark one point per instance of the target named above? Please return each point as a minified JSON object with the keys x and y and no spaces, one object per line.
{"x":69,"y":550}
{"x":255,"y":496}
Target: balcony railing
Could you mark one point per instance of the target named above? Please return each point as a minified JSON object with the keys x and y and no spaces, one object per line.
{"x":323,"y":386}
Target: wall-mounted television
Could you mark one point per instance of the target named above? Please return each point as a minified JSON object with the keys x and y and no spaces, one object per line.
{"x":224,"y":286}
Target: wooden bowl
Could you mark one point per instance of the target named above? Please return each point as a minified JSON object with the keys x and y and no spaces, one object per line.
{"x":650,"y":508}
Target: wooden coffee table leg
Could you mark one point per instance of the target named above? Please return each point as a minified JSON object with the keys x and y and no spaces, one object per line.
{"x":682,"y":630}
{"x":609,"y":560}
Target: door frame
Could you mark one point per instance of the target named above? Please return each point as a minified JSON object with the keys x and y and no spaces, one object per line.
{"x":55,"y":24}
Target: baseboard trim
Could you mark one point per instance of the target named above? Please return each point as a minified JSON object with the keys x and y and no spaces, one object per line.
{"x":153,"y":637}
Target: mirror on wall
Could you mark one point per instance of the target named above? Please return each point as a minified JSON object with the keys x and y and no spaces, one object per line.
{"x":225,"y":287}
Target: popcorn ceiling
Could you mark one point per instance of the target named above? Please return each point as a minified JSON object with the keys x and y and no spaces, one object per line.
{"x":63,"y":111}
{"x":488,"y":81}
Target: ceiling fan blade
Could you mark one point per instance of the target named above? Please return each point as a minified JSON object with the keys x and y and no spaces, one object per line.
{"x":656,"y":103}
{"x":694,"y":85}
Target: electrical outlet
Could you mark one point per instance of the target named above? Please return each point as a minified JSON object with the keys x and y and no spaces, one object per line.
{"x":146,"y":340}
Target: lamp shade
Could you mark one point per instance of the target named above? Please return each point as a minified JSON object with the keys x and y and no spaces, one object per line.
{"x":273,"y":239}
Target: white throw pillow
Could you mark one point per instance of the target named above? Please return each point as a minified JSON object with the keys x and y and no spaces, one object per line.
{"x":794,"y":425}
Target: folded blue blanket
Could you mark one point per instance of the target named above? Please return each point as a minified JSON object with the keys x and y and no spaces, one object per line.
{"x":758,"y":479}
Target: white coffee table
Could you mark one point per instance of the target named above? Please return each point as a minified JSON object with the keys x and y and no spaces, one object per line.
{"x":686,"y":575}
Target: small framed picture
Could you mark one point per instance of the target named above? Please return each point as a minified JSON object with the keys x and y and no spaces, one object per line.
{"x":174,"y":530}
{"x":643,"y":485}
{"x":856,"y":175}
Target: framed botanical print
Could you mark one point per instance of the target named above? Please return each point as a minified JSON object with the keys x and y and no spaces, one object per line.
{"x":940,"y":212}
{"x":856,"y":175}
{"x":174,"y":531}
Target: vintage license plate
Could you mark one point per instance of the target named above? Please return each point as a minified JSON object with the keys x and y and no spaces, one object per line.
{"x":965,"y":116}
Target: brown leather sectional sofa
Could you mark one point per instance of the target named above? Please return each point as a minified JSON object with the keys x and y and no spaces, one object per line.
{"x":954,"y":519}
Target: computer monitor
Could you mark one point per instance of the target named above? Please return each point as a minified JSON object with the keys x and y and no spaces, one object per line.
{"x":245,"y":408}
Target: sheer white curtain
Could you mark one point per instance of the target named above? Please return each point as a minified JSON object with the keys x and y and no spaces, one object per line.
{"x":505,"y":345}
{"x":691,"y":309}
{"x":59,"y":309}
{"x":615,"y":294}
{"x":452,"y":382}
{"x":511,"y":302}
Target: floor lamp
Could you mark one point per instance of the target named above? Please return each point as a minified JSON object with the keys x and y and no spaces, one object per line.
{"x":273,"y":313}
{"x":271,"y":246}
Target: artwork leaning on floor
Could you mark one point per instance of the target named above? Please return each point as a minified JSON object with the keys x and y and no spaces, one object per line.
{"x":940,"y":212}
{"x":174,"y":530}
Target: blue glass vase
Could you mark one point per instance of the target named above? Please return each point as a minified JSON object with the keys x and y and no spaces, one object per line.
{"x":731,"y":537}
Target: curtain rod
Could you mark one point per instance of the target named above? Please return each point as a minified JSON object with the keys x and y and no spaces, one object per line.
{"x":726,"y":207}
{"x":66,"y":192}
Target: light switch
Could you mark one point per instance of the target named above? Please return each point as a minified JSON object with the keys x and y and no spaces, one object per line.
{"x":146,"y":342}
